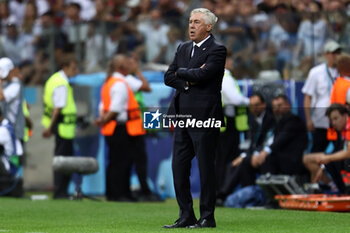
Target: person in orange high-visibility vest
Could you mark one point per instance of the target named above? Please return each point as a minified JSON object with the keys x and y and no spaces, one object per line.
{"x":121,"y":124}
{"x":340,"y":88}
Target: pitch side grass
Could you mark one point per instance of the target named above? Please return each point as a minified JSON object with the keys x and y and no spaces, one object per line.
{"x":25,"y":215}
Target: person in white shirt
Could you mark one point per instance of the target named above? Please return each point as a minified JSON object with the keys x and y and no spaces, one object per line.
{"x":317,"y":91}
{"x":9,"y":145}
{"x":235,"y":104}
{"x":59,"y":118}
{"x":11,"y":96}
{"x":121,"y":123}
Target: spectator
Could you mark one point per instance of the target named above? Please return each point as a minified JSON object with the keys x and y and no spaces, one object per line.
{"x":312,"y":34}
{"x":59,"y":119}
{"x":129,"y":38}
{"x":283,"y":37}
{"x":17,"y":9}
{"x":87,"y":11}
{"x":174,"y":38}
{"x":98,"y":49}
{"x":48,"y":31}
{"x":119,"y":11}
{"x":6,"y":17}
{"x":170,"y":12}
{"x":320,"y":163}
{"x":16,"y":46}
{"x":155,"y":36}
{"x":42,"y":6}
{"x":73,"y":25}
{"x":317,"y":91}
{"x":102,"y":10}
{"x":30,"y":21}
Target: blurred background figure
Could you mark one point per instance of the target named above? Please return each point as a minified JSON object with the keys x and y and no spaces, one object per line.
{"x":59,"y":119}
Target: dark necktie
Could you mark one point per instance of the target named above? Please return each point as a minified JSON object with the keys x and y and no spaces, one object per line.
{"x":195,"y":51}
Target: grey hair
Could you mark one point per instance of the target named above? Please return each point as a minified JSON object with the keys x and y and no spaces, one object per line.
{"x":210,"y":17}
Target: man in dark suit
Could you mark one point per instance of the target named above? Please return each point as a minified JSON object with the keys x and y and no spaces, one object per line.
{"x":196,"y":74}
{"x":282,"y":150}
{"x":261,"y":122}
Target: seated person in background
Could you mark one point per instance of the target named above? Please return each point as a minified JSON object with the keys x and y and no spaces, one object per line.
{"x":236,"y":120}
{"x":316,"y":163}
{"x":261,"y":121}
{"x":282,"y":153}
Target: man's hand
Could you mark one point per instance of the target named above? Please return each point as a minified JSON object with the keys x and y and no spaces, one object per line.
{"x":237,"y":161}
{"x":310,"y":125}
{"x":202,"y":66}
{"x":323,"y":159}
{"x":47,"y":133}
{"x":99,"y":122}
{"x":257,"y":160}
{"x":133,"y":65}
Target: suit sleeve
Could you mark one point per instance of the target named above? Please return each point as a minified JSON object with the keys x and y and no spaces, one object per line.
{"x":294,"y":128}
{"x":170,"y":77}
{"x":214,"y":64}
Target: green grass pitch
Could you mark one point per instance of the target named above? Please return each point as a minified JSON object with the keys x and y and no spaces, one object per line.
{"x":25,"y":215}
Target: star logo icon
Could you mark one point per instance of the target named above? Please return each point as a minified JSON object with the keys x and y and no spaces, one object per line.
{"x":156,"y":115}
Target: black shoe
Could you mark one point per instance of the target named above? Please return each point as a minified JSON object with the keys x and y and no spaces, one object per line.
{"x":181,"y":223}
{"x":203,"y":223}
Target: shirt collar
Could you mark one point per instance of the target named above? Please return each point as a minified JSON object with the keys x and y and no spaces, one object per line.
{"x":4,"y":121}
{"x":200,"y":43}
{"x":64,"y":75}
{"x":118,"y":75}
{"x":260,"y":118}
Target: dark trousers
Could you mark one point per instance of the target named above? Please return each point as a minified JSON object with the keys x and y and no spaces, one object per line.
{"x":245,"y":174}
{"x":139,"y":160}
{"x":119,"y":165}
{"x":334,"y":169}
{"x":202,"y":144}
{"x":63,"y":147}
{"x":319,"y":140}
{"x":227,"y":151}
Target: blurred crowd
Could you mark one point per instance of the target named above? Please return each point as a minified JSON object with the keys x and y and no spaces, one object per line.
{"x":277,"y":39}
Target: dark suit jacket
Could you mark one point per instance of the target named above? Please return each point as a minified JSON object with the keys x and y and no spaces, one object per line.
{"x":257,"y":134}
{"x":290,"y":141}
{"x":203,"y":98}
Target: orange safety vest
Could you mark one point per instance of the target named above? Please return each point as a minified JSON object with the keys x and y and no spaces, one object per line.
{"x":338,"y":95}
{"x":134,"y":122}
{"x":339,"y":90}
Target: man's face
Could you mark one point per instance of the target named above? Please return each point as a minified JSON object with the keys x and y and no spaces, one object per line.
{"x":256,"y":106}
{"x":280,"y":107}
{"x":332,"y":58}
{"x":197,"y":29}
{"x":337,"y":120}
{"x":72,"y":70}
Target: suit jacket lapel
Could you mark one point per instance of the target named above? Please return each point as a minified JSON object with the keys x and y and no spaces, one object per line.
{"x":202,"y":50}
{"x":188,"y":52}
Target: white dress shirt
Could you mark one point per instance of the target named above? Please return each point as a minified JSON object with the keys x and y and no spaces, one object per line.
{"x":12,"y":98}
{"x":59,"y":96}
